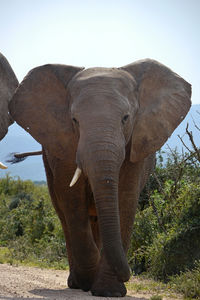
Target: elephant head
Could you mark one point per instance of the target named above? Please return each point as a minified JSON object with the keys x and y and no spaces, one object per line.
{"x":8,"y":84}
{"x":109,"y":114}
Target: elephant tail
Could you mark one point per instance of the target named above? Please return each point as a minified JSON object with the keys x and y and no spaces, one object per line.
{"x":15,"y":158}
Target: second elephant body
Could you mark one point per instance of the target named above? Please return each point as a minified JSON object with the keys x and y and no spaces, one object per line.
{"x":8,"y":84}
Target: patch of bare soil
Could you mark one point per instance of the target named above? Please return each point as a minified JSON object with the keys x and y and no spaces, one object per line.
{"x":35,"y":283}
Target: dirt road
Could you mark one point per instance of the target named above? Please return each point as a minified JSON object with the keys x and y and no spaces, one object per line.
{"x":34,"y":283}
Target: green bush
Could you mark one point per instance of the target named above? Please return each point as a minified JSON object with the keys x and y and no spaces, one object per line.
{"x":177,"y":248}
{"x":145,"y":225}
{"x":166,"y":239}
{"x":29,"y":226}
{"x":188,"y":283}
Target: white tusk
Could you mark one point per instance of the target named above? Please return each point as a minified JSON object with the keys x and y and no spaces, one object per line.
{"x":77,"y":174}
{"x":2,"y":166}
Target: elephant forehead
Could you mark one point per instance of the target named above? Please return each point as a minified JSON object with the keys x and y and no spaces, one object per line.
{"x":101,"y":80}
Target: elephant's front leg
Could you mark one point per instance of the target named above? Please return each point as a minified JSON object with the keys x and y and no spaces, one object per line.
{"x":85,"y":254}
{"x":56,"y":203}
{"x":107,"y":283}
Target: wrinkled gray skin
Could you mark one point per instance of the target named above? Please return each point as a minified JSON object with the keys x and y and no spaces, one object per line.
{"x":109,"y":122}
{"x":8,"y":84}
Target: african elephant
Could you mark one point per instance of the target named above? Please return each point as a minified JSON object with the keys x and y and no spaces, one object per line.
{"x":8,"y":84}
{"x":108,"y":123}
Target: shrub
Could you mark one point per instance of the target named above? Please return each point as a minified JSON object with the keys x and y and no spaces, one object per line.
{"x":188,"y":283}
{"x":29,"y":226}
{"x":165,"y":239}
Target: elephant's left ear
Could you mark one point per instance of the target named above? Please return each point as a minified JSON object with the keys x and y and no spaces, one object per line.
{"x":164,"y":99}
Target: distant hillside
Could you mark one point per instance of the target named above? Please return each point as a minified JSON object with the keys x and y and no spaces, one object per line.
{"x":17,"y":140}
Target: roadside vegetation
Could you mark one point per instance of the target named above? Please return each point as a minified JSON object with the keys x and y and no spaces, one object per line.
{"x":165,"y":242}
{"x":30,"y":231}
{"x":165,"y":245}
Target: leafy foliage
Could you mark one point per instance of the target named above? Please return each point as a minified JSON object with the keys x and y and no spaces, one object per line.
{"x":166,"y":239}
{"x":29,"y":227}
{"x":188,"y":282}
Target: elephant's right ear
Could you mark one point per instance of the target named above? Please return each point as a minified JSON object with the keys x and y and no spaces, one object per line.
{"x":40,"y":105}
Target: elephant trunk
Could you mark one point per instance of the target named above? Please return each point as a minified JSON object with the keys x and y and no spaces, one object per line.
{"x":105,"y":192}
{"x":102,"y":167}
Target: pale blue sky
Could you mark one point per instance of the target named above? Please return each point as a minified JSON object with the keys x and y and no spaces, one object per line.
{"x":102,"y":33}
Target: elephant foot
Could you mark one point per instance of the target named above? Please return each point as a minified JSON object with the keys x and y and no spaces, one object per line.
{"x":80,"y":281}
{"x":71,"y":282}
{"x":111,"y":287}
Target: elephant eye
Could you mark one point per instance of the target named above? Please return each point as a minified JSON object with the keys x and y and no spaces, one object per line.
{"x":125,"y":118}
